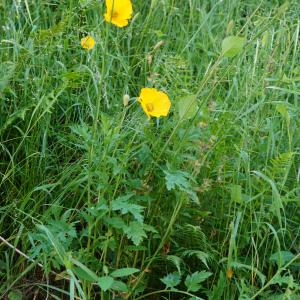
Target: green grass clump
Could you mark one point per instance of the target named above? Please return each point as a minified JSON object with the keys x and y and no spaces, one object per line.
{"x":98,"y":202}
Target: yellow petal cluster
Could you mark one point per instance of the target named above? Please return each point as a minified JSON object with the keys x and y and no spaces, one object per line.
{"x":118,"y":12}
{"x":88,"y":42}
{"x":154,"y":103}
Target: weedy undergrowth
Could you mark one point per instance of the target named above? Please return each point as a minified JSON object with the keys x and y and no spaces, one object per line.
{"x":107,"y":195}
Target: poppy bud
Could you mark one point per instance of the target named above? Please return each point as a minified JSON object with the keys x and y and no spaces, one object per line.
{"x":126,"y":99}
{"x":158,"y":45}
{"x":230,"y":27}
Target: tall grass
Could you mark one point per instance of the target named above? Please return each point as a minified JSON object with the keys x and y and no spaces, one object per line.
{"x":98,"y":202}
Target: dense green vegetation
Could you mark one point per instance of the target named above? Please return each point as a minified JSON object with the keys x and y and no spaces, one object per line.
{"x":98,"y":202}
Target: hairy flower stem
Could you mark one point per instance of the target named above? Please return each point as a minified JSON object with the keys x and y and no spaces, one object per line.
{"x":161,"y":244}
{"x":94,"y":135}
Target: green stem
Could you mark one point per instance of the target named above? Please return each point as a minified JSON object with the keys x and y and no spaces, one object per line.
{"x":94,"y":135}
{"x":160,"y":246}
{"x":276,"y":274}
{"x":165,"y":291}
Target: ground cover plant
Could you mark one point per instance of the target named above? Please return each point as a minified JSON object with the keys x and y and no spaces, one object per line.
{"x":149,"y":149}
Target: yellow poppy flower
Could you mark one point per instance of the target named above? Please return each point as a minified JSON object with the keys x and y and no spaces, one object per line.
{"x":154,"y":103}
{"x":118,"y":12}
{"x":88,"y":42}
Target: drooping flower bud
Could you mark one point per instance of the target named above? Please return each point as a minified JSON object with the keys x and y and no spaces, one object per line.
{"x":126,"y":99}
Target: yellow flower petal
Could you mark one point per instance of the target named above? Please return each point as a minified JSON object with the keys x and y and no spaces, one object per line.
{"x":154,"y":103}
{"x":88,"y":42}
{"x":118,"y":12}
